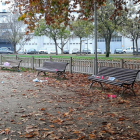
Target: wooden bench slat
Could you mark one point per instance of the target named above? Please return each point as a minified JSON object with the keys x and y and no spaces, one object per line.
{"x":123,"y":77}
{"x":14,"y":63}
{"x":54,"y":67}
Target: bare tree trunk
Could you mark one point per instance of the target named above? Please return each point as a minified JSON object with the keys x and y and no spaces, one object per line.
{"x":14,"y":47}
{"x":107,"y":42}
{"x":80,"y":44}
{"x":56,"y":46}
{"x":62,"y":45}
{"x":136,"y":41}
{"x":133,"y":45}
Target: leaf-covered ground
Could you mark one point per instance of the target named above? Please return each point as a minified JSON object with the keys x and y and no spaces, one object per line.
{"x":60,"y":109}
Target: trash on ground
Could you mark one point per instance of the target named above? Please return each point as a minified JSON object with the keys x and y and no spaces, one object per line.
{"x":35,"y":80}
{"x":6,"y":64}
{"x":43,"y":81}
{"x":111,"y":96}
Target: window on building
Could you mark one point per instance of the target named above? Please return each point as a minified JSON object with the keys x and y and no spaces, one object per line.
{"x":116,"y":39}
{"x":29,"y":43}
{"x":47,"y":43}
{"x":3,"y":10}
{"x":100,"y":40}
{"x":112,"y":39}
{"x":44,"y":43}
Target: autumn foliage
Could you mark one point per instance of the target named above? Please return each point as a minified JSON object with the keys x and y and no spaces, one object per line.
{"x":58,"y":11}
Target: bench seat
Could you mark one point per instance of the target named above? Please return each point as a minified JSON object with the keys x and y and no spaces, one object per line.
{"x":13,"y":63}
{"x":123,"y":77}
{"x":46,"y":70}
{"x":53,"y":67}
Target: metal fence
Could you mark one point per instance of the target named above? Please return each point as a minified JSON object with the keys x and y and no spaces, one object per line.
{"x":75,"y":65}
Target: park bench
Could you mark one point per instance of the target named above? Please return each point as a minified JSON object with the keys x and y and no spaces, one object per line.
{"x":11,"y":63}
{"x":53,"y":67}
{"x":124,"y":78}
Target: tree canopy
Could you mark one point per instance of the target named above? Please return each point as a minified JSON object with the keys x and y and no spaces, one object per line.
{"x":107,"y":28}
{"x":82,"y":29}
{"x":59,"y":11}
{"x":12,"y":32}
{"x":55,"y":34}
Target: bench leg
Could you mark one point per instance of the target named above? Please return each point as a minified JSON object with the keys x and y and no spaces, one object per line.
{"x":91,"y":84}
{"x":98,"y":82}
{"x":40,"y":72}
{"x":61,"y":73}
{"x":101,"y":86}
{"x":44,"y":73}
{"x":15,"y":68}
{"x":128,"y":87}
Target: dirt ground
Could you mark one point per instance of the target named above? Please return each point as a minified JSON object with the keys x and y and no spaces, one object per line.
{"x":64,"y":110}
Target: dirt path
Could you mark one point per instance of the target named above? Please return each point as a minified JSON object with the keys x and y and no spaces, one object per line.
{"x":35,"y":110}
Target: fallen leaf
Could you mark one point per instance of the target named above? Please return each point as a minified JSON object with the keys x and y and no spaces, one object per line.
{"x":42,"y":119}
{"x":121,"y":119}
{"x":52,"y":126}
{"x":29,"y":135}
{"x":42,"y":109}
{"x":7,"y":130}
{"x":92,"y":136}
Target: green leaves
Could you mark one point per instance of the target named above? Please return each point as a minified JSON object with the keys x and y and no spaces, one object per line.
{"x":82,"y":28}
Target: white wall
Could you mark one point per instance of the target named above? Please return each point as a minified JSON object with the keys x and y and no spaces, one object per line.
{"x":43,"y":42}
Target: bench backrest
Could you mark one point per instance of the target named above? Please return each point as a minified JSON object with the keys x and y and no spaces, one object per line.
{"x":60,"y":66}
{"x":14,"y":61}
{"x":121,"y":74}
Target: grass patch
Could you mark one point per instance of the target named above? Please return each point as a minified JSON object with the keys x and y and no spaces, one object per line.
{"x":8,"y":69}
{"x":88,"y":57}
{"x":22,"y":69}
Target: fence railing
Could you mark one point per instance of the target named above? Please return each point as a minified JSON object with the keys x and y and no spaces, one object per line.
{"x":75,"y":65}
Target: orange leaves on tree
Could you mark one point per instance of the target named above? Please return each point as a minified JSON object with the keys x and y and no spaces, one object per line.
{"x":103,"y":4}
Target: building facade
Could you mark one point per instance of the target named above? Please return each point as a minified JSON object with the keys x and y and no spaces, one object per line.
{"x":4,"y":12}
{"x":43,"y":42}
